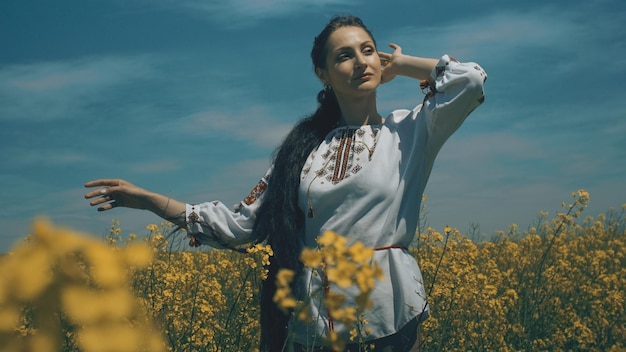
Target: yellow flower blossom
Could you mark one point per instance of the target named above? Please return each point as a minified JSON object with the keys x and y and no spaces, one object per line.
{"x":282,"y":297}
{"x":105,"y":267}
{"x":284,"y":277}
{"x":84,"y":305}
{"x":343,"y":265}
{"x":359,"y":253}
{"x":9,"y":318}
{"x":72,"y":291}
{"x":261,"y":253}
{"x":152,"y":227}
{"x":335,"y":342}
{"x":311,"y":258}
{"x":558,"y":286}
{"x":341,"y":273}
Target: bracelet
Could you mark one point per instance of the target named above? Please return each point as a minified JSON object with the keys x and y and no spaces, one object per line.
{"x":166,"y":206}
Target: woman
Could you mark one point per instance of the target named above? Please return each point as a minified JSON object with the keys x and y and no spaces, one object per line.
{"x":347,"y":169}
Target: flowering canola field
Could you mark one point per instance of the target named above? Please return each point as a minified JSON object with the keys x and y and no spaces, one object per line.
{"x":558,"y":286}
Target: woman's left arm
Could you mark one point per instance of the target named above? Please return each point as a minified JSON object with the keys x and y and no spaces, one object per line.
{"x":455,"y":89}
{"x":399,"y":64}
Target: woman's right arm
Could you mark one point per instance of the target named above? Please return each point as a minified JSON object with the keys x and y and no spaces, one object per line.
{"x":221,"y":226}
{"x":210,"y":223}
{"x":113,"y":193}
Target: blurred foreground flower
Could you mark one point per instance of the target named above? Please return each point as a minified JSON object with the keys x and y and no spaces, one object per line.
{"x":343,"y":266}
{"x":62,"y":290}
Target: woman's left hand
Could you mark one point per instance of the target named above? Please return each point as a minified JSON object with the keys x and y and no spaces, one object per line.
{"x":387,"y":61}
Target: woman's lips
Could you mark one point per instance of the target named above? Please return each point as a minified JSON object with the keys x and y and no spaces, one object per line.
{"x":365,"y":76}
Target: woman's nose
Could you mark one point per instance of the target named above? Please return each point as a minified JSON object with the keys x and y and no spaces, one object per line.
{"x":360,"y":60}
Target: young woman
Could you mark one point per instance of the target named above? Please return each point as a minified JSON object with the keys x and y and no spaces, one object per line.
{"x":344,"y":168}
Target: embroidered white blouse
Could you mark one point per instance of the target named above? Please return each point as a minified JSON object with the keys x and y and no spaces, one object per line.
{"x":365,"y":183}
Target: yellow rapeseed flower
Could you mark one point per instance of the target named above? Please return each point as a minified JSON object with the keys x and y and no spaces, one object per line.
{"x":29,"y":271}
{"x":105,"y":266}
{"x":343,"y":265}
{"x":284,"y":277}
{"x":152,"y":227}
{"x":282,"y":297}
{"x":311,"y":258}
{"x":366,"y":277}
{"x":334,"y":301}
{"x":9,"y":318}
{"x":81,"y":288}
{"x":84,"y":305}
{"x":342,"y":273}
{"x":359,"y":253}
{"x":138,"y":255}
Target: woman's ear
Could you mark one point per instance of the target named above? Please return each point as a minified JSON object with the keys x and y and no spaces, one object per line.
{"x":321,"y":74}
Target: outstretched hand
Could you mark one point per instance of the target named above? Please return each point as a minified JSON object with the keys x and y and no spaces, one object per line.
{"x":387,"y":61}
{"x":112,"y":193}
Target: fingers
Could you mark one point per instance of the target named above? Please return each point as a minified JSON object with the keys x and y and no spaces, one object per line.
{"x":106,"y":202}
{"x":108,"y":186}
{"x":396,"y":50}
{"x":386,"y":58}
{"x":104,"y":195}
{"x":104,"y":182}
{"x":101,"y":198}
{"x":395,"y":47}
{"x":101,"y":192}
{"x":109,"y":206}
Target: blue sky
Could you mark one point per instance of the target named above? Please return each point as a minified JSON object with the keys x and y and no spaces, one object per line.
{"x":189,"y":98}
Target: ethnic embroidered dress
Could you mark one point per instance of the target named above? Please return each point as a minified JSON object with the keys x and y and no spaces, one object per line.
{"x":364,"y":183}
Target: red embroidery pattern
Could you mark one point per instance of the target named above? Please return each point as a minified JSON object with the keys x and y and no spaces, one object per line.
{"x":343,"y":157}
{"x":194,"y":241}
{"x":193,"y":217}
{"x":256,"y":193}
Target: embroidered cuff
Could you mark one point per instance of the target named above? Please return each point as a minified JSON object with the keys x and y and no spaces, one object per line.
{"x":440,"y":68}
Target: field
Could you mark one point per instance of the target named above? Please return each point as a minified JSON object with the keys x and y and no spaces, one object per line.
{"x":560,"y":285}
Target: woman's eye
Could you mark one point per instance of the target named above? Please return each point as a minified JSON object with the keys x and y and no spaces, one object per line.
{"x":368,"y":51}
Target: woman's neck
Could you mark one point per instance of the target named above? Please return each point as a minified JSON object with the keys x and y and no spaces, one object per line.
{"x":357,"y":112}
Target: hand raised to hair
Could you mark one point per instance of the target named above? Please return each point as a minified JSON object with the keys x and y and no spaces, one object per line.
{"x":116,"y":193}
{"x":387,"y":61}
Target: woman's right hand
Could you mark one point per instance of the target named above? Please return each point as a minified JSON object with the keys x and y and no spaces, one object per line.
{"x":113,"y":193}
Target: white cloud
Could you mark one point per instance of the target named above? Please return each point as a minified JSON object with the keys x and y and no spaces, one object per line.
{"x":499,"y":33}
{"x":241,"y":13}
{"x":228,"y":184}
{"x":252,"y":125}
{"x":479,"y":163}
{"x":42,"y":157}
{"x":52,"y":90}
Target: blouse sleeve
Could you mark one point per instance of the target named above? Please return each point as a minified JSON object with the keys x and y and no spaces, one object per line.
{"x":215,"y":224}
{"x":456,"y":90}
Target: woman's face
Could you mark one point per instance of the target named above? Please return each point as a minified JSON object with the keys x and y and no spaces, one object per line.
{"x":353,"y":66}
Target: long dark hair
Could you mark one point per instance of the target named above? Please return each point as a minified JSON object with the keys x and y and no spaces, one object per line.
{"x":279,"y":219}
